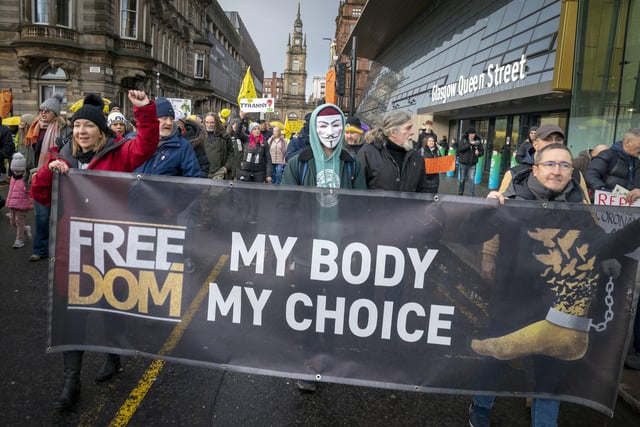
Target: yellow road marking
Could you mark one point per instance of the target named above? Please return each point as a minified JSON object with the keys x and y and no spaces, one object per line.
{"x":134,"y":400}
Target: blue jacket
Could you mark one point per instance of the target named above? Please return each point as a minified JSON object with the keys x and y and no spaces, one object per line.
{"x":174,"y":156}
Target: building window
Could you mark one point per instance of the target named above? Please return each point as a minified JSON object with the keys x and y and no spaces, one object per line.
{"x":128,"y":19}
{"x":198,"y":66}
{"x":49,"y":88}
{"x":356,"y":12}
{"x":295,"y":65}
{"x":42,"y":12}
{"x":294,"y":88}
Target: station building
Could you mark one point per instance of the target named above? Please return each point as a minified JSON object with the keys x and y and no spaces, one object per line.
{"x":504,"y":66}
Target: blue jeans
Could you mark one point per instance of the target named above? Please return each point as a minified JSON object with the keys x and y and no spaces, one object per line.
{"x":467,"y":173}
{"x":41,"y":235}
{"x":276,"y":175}
{"x":544,"y":412}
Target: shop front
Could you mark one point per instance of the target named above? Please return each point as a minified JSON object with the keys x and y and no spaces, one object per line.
{"x":504,"y":66}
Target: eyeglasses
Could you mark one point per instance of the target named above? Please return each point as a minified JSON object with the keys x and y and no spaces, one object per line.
{"x":44,"y":110}
{"x":565,"y":166}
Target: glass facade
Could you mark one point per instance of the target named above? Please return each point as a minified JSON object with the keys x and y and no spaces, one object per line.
{"x":491,"y":48}
{"x":606,"y":88}
{"x":494,"y":66}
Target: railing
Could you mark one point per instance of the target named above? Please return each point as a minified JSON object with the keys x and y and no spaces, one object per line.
{"x":133,"y":47}
{"x":44,"y":32}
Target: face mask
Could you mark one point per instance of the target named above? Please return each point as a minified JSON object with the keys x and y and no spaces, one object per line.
{"x":329,"y":130}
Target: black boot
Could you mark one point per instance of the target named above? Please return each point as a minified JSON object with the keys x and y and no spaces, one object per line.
{"x":109,"y":368}
{"x":72,"y":362}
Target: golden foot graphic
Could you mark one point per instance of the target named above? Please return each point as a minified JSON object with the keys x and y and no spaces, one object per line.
{"x":542,"y":337}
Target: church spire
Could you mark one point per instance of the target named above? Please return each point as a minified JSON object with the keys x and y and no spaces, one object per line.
{"x":297,"y":24}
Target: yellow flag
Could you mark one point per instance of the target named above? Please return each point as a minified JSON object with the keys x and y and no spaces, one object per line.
{"x":247,"y":90}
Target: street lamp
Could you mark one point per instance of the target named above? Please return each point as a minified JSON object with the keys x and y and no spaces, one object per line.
{"x":332,"y":50}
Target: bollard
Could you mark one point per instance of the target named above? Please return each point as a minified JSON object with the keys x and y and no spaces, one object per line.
{"x":494,"y":171}
{"x":452,"y":152}
{"x":479,"y":169}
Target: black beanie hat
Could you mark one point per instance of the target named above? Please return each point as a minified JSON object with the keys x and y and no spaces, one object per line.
{"x":92,"y":109}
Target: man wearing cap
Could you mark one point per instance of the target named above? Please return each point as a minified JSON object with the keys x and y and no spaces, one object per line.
{"x":174,"y":155}
{"x":470,"y":150}
{"x":545,"y":135}
{"x":353,"y":135}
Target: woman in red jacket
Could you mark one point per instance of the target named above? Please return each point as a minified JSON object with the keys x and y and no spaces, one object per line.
{"x":95,"y":146}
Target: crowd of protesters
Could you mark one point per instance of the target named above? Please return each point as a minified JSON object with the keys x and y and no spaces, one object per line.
{"x":329,"y":151}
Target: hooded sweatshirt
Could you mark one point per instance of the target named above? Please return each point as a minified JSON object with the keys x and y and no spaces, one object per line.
{"x":328,"y":169}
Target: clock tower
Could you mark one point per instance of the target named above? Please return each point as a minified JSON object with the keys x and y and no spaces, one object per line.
{"x":295,"y":74}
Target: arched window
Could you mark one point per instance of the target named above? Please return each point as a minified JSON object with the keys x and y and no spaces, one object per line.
{"x":54,"y":82}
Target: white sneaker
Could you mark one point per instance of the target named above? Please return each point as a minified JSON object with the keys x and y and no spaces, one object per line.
{"x":27,"y":231}
{"x":18,"y":244}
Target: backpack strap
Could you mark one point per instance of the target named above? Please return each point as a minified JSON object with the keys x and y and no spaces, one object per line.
{"x":302,"y":170}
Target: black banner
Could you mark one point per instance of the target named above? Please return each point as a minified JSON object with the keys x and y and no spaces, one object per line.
{"x":434,"y":294}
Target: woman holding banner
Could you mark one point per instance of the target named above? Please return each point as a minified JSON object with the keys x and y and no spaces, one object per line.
{"x":430,"y":151}
{"x":95,"y":146}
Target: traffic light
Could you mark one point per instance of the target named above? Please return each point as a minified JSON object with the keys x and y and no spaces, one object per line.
{"x":341,"y":78}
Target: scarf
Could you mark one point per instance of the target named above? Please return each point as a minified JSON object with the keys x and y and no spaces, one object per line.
{"x":49,"y":140}
{"x":543,"y":193}
{"x":86,"y":156}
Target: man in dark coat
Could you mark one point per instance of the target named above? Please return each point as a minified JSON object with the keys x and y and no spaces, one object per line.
{"x":469,"y":151}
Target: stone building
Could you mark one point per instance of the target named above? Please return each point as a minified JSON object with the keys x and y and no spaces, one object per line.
{"x":181,"y":49}
{"x":349,"y":12}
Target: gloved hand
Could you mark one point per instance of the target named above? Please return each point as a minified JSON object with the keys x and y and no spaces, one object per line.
{"x":610,"y":267}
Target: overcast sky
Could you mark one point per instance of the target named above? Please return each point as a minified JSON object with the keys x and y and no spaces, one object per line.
{"x":271,"y":21}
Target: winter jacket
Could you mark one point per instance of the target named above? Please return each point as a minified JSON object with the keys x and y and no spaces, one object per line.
{"x":18,"y":197}
{"x":174,"y":157}
{"x":196,"y":134}
{"x":301,"y":170}
{"x":432,"y":179}
{"x":255,"y":165}
{"x":220,"y":152}
{"x":518,"y":189}
{"x":117,"y":155}
{"x":582,"y":161}
{"x":613,"y":167}
{"x":6,"y":143}
{"x":278,"y":149}
{"x":383,"y":173}
{"x":466,"y":150}
{"x":238,"y":139}
{"x":523,"y":151}
{"x":298,"y":144}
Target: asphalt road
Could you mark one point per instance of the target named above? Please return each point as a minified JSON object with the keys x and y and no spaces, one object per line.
{"x":172,"y":394}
